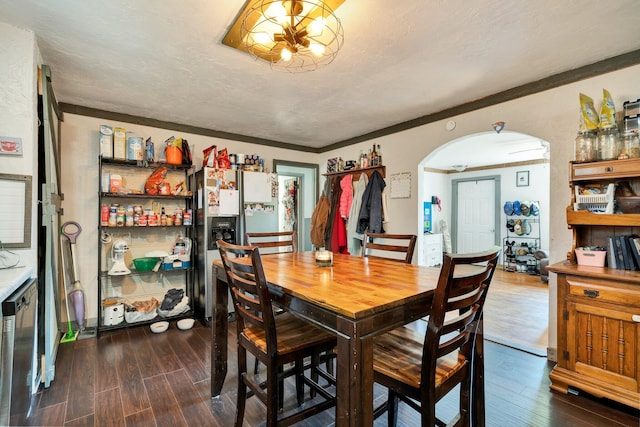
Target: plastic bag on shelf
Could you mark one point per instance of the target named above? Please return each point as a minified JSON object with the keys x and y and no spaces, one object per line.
{"x":181,"y":307}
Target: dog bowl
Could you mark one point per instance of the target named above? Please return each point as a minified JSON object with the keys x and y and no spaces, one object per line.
{"x":159,"y":327}
{"x":145,"y":264}
{"x":184,"y":324}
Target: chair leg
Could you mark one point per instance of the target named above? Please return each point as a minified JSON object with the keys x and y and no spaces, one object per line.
{"x":241,"y":396}
{"x":392,"y":409}
{"x":329,"y":362}
{"x":315,"y":360}
{"x":465,"y":402}
{"x":273,"y":389}
{"x":299,"y":381}
{"x":280,"y":388}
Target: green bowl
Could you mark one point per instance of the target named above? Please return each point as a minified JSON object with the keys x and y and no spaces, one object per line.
{"x":145,"y":264}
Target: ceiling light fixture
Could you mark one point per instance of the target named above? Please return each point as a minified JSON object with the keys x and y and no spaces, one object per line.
{"x":292,"y":35}
{"x":459,"y":168}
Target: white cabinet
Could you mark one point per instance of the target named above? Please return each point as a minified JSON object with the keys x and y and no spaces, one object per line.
{"x":432,"y":250}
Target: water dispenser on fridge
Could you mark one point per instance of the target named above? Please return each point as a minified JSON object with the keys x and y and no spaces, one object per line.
{"x":222,"y":228}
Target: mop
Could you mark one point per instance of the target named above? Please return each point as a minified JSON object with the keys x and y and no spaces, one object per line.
{"x":77,"y":293}
{"x":70,"y":335}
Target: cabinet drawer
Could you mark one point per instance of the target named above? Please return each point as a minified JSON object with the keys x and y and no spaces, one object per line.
{"x":605,"y":170}
{"x":433,"y":249}
{"x":628,"y":295}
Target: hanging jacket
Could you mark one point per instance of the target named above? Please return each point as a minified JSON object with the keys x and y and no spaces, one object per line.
{"x":319,"y":218}
{"x":334,"y":201}
{"x":346,"y":198}
{"x":354,"y":239}
{"x":370,"y":217}
{"x":339,"y":236}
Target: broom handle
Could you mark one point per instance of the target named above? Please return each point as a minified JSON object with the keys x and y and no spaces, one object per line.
{"x":72,"y":238}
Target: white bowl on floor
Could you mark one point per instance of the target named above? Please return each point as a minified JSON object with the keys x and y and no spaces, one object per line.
{"x":184,"y":324}
{"x":159,"y":327}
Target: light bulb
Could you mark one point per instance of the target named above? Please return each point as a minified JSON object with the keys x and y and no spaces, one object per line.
{"x":316,"y":27}
{"x":317,"y":49}
{"x":276,"y":12}
{"x":262,"y":38}
{"x":285,"y":54}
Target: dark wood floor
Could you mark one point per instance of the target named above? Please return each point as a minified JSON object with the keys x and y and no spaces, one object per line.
{"x":133,"y":377}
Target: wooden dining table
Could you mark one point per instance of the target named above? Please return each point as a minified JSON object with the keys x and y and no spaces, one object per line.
{"x":356,"y":298}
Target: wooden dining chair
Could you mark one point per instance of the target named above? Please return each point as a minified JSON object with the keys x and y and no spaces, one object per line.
{"x":419,"y":369}
{"x":273,"y":242}
{"x":397,"y":247}
{"x":275,"y":341}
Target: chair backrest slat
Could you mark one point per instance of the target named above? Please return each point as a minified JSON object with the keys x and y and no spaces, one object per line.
{"x":457,"y":307}
{"x":273,"y":242}
{"x":378,"y":245}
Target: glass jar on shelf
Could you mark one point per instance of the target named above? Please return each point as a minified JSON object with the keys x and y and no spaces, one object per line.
{"x":631,"y":142}
{"x":586,"y":147}
{"x":608,"y":143}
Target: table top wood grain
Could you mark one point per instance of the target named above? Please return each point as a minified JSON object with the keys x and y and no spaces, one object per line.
{"x":353,"y":287}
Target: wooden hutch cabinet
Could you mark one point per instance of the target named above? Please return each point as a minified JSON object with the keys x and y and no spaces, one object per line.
{"x":599,"y":307}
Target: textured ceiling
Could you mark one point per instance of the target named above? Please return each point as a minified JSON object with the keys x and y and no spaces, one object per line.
{"x":401,"y":60}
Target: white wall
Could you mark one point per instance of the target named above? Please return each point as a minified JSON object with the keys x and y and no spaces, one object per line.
{"x":80,"y":181}
{"x":19,"y":56}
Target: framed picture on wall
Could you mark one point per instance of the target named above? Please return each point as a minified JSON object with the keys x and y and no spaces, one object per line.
{"x":522,"y":179}
{"x":10,"y":146}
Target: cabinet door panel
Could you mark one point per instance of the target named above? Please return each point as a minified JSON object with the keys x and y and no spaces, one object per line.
{"x":604,"y":344}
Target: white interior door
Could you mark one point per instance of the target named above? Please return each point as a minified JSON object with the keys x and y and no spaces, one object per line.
{"x":476,"y":216}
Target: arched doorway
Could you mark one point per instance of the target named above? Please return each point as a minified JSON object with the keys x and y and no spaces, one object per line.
{"x":501,"y":158}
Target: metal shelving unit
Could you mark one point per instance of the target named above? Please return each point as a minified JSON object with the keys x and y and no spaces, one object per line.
{"x":142,"y":285}
{"x":518,"y":249}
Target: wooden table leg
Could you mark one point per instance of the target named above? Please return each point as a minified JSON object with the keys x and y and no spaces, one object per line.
{"x":354,"y":405}
{"x":219,"y":328}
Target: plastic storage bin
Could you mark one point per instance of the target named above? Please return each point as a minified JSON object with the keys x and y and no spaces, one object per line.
{"x":591,"y":258}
